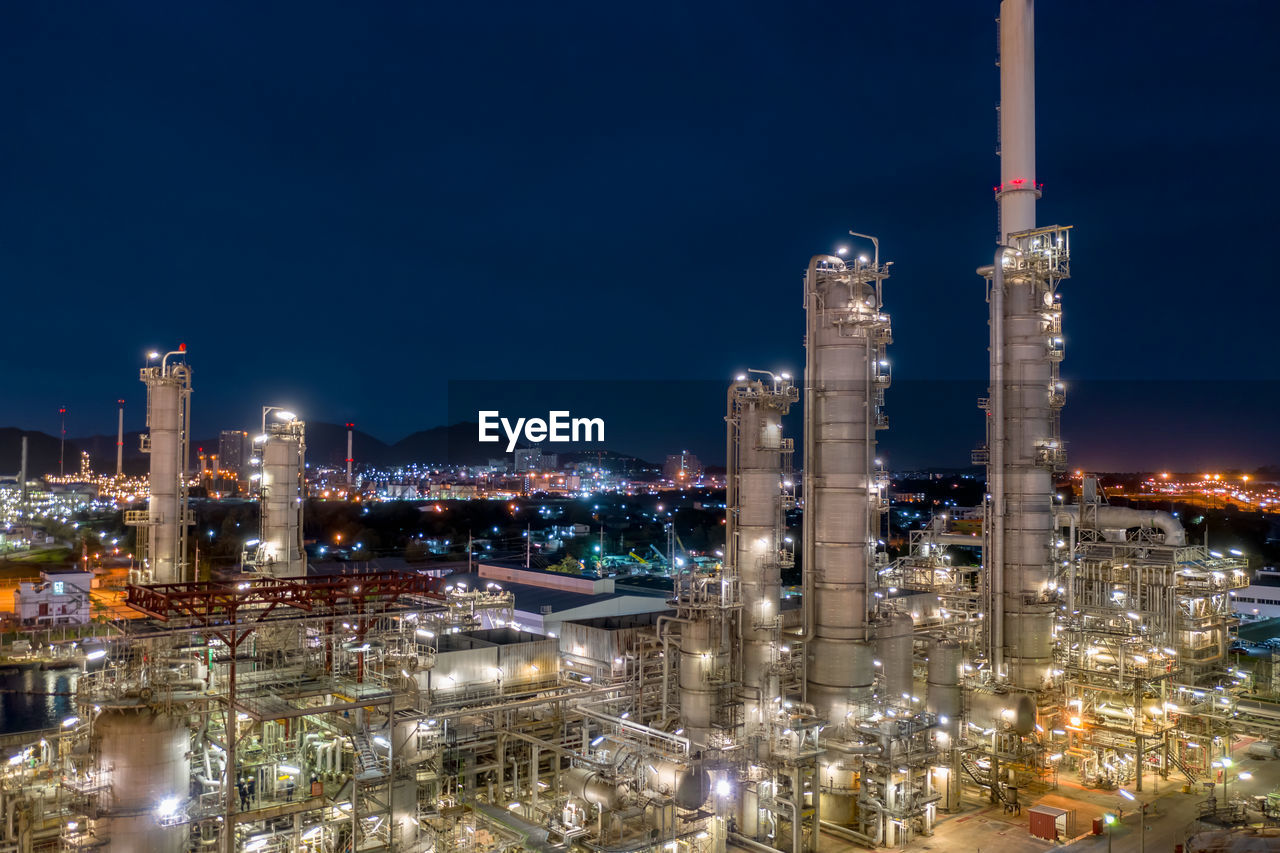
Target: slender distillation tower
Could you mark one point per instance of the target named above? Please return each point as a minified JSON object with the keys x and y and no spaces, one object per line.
{"x":1024,"y":446}
{"x":163,"y":524}
{"x":757,"y":493}
{"x":845,"y":378}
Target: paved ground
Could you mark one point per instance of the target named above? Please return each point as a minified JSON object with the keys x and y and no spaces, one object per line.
{"x":1171,"y":813}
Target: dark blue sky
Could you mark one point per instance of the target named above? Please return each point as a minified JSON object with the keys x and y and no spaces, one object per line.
{"x":342,"y":206}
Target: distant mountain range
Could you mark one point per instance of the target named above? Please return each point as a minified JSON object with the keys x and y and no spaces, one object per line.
{"x":326,"y":445}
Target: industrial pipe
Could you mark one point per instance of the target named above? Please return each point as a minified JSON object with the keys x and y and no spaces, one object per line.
{"x":1123,"y":517}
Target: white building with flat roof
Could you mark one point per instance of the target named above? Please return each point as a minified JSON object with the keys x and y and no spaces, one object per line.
{"x":58,"y":598}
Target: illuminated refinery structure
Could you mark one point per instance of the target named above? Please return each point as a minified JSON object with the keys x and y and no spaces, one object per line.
{"x":281,"y":711}
{"x":280,"y":457}
{"x":162,"y":526}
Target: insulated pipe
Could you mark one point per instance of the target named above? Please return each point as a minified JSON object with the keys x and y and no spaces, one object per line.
{"x":995,"y":476}
{"x":1123,"y":517}
{"x":665,"y":637}
{"x":797,"y":828}
{"x":855,"y":749}
{"x":742,"y":841}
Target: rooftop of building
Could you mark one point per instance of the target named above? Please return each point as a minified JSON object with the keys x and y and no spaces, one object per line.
{"x":485,"y":638}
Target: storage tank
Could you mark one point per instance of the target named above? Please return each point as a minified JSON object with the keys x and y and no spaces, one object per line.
{"x":894,"y":648}
{"x":144,"y":755}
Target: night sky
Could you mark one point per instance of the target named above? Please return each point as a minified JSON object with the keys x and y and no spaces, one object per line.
{"x":340,"y":207}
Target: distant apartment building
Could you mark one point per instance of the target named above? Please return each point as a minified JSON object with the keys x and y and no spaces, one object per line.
{"x":533,"y":459}
{"x":234,"y":449}
{"x":682,"y":467}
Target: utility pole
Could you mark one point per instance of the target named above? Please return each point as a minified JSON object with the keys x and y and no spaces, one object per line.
{"x":468,"y":552}
{"x":528,"y":544}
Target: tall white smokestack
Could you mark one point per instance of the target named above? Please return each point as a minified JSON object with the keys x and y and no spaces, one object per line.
{"x":350,"y":431}
{"x":1023,"y":444}
{"x":1018,"y":188}
{"x":22,"y":477}
{"x":120,"y":441}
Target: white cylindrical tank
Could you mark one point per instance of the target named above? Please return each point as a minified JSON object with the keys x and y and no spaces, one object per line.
{"x":144,"y":755}
{"x":844,"y":387}
{"x":894,"y":646}
{"x":283,"y":476}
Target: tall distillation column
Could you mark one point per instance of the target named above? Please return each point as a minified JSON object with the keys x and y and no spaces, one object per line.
{"x":1023,"y":442}
{"x":758,"y":456}
{"x":167,"y":516}
{"x":845,"y":377}
{"x":283,"y":440}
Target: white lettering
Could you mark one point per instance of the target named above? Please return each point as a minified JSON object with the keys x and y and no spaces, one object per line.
{"x":513,"y":435}
{"x":559,"y":426}
{"x":486,"y":424}
{"x":588,"y":424}
{"x":559,"y":422}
